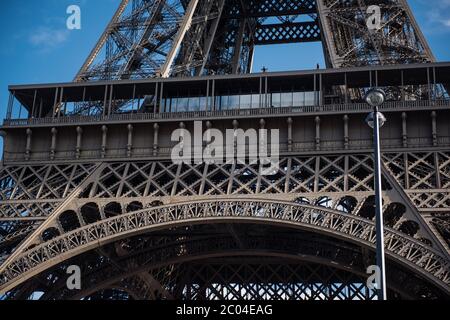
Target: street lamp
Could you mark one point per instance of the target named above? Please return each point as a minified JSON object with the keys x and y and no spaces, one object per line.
{"x":376,"y":120}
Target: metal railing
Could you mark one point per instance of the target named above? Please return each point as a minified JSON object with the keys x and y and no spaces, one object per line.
{"x":302,"y":110}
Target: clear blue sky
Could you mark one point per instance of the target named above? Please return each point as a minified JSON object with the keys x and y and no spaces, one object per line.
{"x":36,"y":47}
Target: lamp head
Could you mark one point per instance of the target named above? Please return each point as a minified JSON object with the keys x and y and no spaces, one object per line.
{"x":375,"y":97}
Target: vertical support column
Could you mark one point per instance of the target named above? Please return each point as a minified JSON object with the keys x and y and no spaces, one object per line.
{"x":33,"y":108}
{"x":54,"y":132}
{"x":55,"y":103}
{"x":134,"y":98}
{"x":290,"y":137}
{"x":266,"y":92}
{"x":155,"y":99}
{"x":317,"y":120}
{"x":130,"y":140}
{"x":105,"y":97}
{"x":79,"y":140}
{"x":346,"y":135}
{"x":260,"y":92}
{"x":61,"y":96}
{"x":155,"y":139}
{"x":28,"y":145}
{"x":161,"y":94}
{"x":434,"y":128}
{"x":320,"y":90}
{"x":404,"y":130}
{"x":315,"y":90}
{"x":111,"y":92}
{"x":104,"y":140}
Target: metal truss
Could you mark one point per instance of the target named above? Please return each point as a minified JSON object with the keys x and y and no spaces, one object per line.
{"x":425,"y":177}
{"x":421,"y":258}
{"x":148,"y":38}
{"x":28,"y":194}
{"x":266,"y":282}
{"x":321,"y":180}
{"x":163,"y":266}
{"x":145,"y":36}
{"x":34,"y":191}
{"x":157,"y":230}
{"x":96,"y":193}
{"x":349,"y":42}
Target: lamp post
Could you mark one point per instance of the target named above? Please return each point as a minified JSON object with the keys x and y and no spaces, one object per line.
{"x":376,"y":120}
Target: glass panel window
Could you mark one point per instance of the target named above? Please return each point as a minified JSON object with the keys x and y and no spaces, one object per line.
{"x":299,"y":99}
{"x":310,"y":98}
{"x":246,"y":102}
{"x":276,"y":100}
{"x":183,"y":105}
{"x":255,"y":101}
{"x":233,"y":102}
{"x":286,"y":99}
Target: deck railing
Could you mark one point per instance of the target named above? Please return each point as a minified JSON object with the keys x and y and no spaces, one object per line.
{"x":261,"y":112}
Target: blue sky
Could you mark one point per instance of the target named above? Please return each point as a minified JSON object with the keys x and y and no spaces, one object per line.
{"x":37,"y":47}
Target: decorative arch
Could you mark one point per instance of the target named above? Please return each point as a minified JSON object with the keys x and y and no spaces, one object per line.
{"x":406,"y":250}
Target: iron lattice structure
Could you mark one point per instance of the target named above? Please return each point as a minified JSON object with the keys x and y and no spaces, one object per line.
{"x":148,"y":38}
{"x":87,"y":178}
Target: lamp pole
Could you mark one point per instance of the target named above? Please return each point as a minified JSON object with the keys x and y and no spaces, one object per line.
{"x":376,"y":120}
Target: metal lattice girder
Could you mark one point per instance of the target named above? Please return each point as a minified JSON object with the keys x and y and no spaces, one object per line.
{"x":272,"y":8}
{"x":324,"y":180}
{"x":136,"y":42}
{"x":287,"y":33}
{"x":426,"y":180}
{"x":223,"y":280}
{"x":34,"y":191}
{"x":349,"y":42}
{"x":147,"y":38}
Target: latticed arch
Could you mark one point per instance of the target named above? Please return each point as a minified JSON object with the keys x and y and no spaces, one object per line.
{"x":301,"y":264}
{"x":407,"y":251}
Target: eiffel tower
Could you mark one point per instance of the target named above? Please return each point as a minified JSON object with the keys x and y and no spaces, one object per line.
{"x":87,"y":179}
